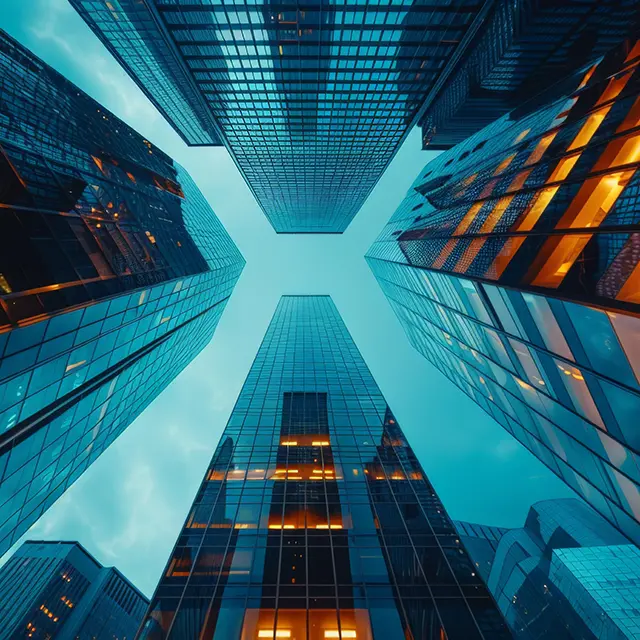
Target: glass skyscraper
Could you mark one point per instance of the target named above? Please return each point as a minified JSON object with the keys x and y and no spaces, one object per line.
{"x":114,"y":272}
{"x":566,"y":575}
{"x":519,"y":49}
{"x":513,"y":265}
{"x":314,"y":519}
{"x":312,"y":101}
{"x":52,"y":590}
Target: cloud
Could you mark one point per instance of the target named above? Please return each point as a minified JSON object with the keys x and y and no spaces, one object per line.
{"x":506,"y":448}
{"x":105,"y":80}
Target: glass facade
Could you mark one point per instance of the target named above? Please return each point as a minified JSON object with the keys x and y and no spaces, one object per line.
{"x":114,"y":272}
{"x":312,"y":100}
{"x":57,"y":590}
{"x":481,"y":542}
{"x":519,"y":49}
{"x":566,"y":575}
{"x":314,"y":519}
{"x":512,"y":267}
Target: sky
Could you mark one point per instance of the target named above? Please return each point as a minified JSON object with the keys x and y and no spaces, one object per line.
{"x":128,"y":508}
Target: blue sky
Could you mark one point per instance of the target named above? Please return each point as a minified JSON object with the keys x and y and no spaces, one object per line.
{"x":128,"y":508}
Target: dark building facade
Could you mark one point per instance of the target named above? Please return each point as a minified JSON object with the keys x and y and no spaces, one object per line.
{"x":312,"y":101}
{"x":566,"y":575}
{"x":114,"y":272}
{"x":517,"y":50}
{"x":314,"y":519}
{"x":481,"y":542}
{"x":57,"y":590}
{"x":513,"y":266}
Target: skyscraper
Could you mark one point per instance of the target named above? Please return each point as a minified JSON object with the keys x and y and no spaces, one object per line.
{"x":519,"y":49}
{"x":114,"y":272}
{"x":314,"y":519}
{"x":513,"y":265}
{"x":312,"y":101}
{"x":566,"y":575}
{"x":59,"y":591}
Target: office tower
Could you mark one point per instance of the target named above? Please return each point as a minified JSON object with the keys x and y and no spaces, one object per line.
{"x":114,"y":272}
{"x":518,"y":50}
{"x":311,"y":101}
{"x":566,"y":575}
{"x":513,"y":266}
{"x":58,"y":591}
{"x":315,"y":520}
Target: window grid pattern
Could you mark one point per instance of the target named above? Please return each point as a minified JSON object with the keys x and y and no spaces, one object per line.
{"x":314,"y":518}
{"x":57,"y":590}
{"x":546,"y":202}
{"x":556,"y":366}
{"x":536,"y":593}
{"x":523,"y":46}
{"x":311,"y":100}
{"x":559,"y":376}
{"x":601,"y":583}
{"x":78,"y":363}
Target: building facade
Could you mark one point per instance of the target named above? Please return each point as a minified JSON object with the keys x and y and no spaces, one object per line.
{"x":481,"y":542}
{"x":566,"y":575}
{"x":519,"y":49}
{"x":314,"y":519}
{"x":513,"y":266}
{"x":57,"y":590}
{"x":114,"y":272}
{"x":311,"y":101}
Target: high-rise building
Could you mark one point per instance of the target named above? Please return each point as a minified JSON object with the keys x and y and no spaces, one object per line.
{"x":314,"y":519}
{"x":566,"y":575}
{"x":114,"y":272}
{"x":518,"y":49}
{"x":58,"y":591}
{"x":312,"y":101}
{"x":513,"y":265}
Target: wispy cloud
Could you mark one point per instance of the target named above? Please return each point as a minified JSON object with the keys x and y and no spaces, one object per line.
{"x":105,"y":80}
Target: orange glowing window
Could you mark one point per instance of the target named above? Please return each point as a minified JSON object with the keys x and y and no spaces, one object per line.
{"x":323,"y":624}
{"x":521,"y":136}
{"x":305,"y":440}
{"x":630,"y":291}
{"x":601,"y":193}
{"x":591,"y":205}
{"x":4,"y":284}
{"x":504,"y":164}
{"x":99,"y":164}
{"x":540,"y":148}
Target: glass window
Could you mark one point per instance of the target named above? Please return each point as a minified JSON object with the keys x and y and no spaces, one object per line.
{"x":547,"y":325}
{"x":600,"y":343}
